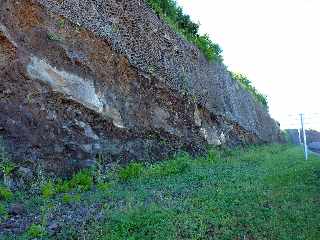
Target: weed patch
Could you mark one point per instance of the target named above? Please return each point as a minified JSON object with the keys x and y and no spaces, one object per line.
{"x":36,"y":231}
{"x":132,"y":171}
{"x":82,"y":180}
{"x":5,"y":193}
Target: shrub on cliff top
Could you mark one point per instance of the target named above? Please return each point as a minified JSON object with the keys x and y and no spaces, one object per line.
{"x":247,"y":85}
{"x":180,"y":22}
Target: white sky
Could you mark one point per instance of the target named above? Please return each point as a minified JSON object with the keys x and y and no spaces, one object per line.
{"x":276,"y":43}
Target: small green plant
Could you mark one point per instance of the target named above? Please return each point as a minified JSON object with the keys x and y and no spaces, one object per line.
{"x":69,"y":198}
{"x":7,"y":168}
{"x":61,"y":23}
{"x":48,"y":190}
{"x":132,"y":171}
{"x":3,"y":212}
{"x":152,"y":69}
{"x":62,"y":186}
{"x":54,"y":37}
{"x":114,"y":28}
{"x":82,"y":180}
{"x":36,"y":231}
{"x":5,"y":193}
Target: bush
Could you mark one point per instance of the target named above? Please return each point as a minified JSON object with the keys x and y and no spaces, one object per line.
{"x":5,"y":193}
{"x":133,"y":170}
{"x":62,"y":186}
{"x":48,"y":190}
{"x":36,"y":231}
{"x":211,"y":50}
{"x":247,"y":85}
{"x":180,"y":22}
{"x":82,"y":180}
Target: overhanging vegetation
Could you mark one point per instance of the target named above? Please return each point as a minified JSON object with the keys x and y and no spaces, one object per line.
{"x":181,"y":23}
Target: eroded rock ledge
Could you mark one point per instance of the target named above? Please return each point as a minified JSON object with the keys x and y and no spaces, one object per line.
{"x":81,"y":79}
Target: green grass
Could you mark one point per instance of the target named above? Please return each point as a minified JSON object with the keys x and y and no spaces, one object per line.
{"x":265,"y":192}
{"x":133,"y":170}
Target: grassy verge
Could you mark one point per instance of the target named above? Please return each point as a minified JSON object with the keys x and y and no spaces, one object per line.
{"x":266,"y":192}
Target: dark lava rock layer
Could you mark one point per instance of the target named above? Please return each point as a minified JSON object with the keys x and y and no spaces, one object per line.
{"x":109,"y":79}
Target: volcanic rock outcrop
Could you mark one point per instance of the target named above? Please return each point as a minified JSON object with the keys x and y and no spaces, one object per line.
{"x":85,"y":79}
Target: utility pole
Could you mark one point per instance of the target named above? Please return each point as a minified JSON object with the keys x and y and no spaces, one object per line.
{"x":299,"y":136}
{"x":304,"y":136}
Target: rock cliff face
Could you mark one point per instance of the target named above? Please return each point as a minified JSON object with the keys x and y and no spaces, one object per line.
{"x":81,"y":79}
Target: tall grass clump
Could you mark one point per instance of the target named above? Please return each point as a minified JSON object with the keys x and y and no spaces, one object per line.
{"x":181,"y":23}
{"x":132,"y":171}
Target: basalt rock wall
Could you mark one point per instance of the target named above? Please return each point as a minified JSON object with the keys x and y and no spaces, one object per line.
{"x":82,"y":80}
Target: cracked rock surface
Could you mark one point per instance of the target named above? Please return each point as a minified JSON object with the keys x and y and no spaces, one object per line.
{"x":86,"y":78}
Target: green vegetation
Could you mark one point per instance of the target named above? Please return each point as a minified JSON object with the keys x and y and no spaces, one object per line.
{"x":133,"y":170}
{"x":70,"y":198}
{"x":48,"y":190}
{"x":265,"y":192}
{"x":3,"y":212}
{"x":6,"y":166}
{"x":5,"y":193}
{"x":61,"y":23}
{"x":181,"y":23}
{"x":247,"y":85}
{"x":36,"y":231}
{"x":80,"y":182}
{"x":179,"y":165}
{"x":83,"y":181}
{"x":54,"y":37}
{"x":260,"y":192}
